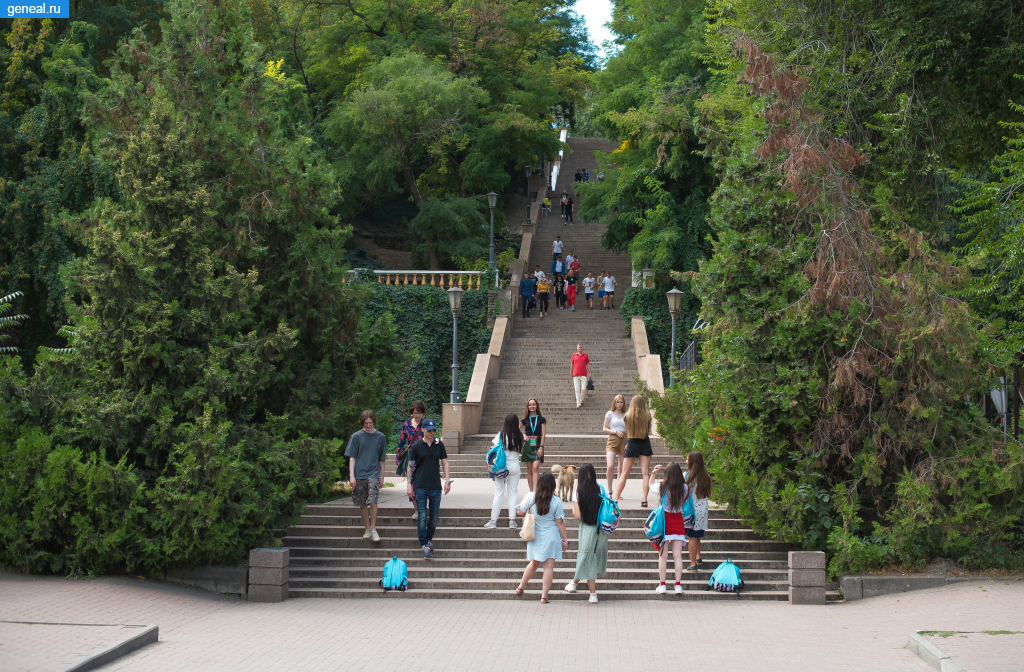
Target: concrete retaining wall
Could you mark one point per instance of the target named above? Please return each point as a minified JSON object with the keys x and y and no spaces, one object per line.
{"x":859,"y":587}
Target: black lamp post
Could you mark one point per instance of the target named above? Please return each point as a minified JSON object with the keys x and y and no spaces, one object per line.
{"x":492,"y":200}
{"x":675,"y":304}
{"x":455,"y":302}
{"x":529,"y":171}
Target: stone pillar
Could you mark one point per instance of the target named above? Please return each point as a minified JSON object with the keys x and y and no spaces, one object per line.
{"x":806,"y":577}
{"x":268,"y":575}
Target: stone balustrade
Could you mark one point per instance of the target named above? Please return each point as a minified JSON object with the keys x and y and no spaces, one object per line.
{"x":442,"y":279}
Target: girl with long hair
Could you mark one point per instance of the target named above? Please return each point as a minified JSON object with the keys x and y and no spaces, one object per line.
{"x":638,"y":444}
{"x":673,"y":492}
{"x":699,"y":482}
{"x":534,"y":432}
{"x":592,"y":556}
{"x":549,"y":525}
{"x":511,"y":439}
{"x":615,"y":428}
{"x":410,"y":434}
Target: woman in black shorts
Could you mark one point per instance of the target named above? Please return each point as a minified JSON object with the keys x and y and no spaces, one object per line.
{"x":638,"y":444}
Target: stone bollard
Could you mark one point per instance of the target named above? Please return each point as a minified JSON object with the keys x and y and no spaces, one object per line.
{"x":268,"y":574}
{"x":806,"y":577}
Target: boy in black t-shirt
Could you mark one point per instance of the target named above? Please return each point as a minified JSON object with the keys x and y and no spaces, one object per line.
{"x":429,"y":455}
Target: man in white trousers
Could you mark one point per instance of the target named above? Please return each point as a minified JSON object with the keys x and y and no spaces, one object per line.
{"x":580,"y":369}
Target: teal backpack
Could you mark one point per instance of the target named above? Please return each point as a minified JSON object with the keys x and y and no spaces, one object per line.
{"x":396,"y":575}
{"x":608,"y":515}
{"x":725,"y":578}
{"x":654,"y":528}
{"x":496,"y":467}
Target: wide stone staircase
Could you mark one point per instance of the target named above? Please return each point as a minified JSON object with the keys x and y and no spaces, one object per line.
{"x":329,"y":558}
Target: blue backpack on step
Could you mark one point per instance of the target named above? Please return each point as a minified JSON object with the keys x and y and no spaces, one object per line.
{"x":654,"y":528}
{"x":396,"y":575}
{"x":608,"y":515}
{"x":725,"y":578}
{"x":496,"y":467}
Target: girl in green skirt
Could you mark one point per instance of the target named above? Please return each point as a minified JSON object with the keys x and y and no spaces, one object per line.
{"x":592,"y":556}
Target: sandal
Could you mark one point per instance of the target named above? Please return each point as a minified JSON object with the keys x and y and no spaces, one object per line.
{"x":543,"y":600}
{"x":519,"y":591}
{"x":643,"y":505}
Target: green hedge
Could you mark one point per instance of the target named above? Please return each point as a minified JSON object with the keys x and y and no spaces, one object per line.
{"x":423,"y":324}
{"x":652,"y":305}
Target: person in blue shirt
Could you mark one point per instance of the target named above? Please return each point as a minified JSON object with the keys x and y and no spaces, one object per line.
{"x":525,"y":294}
{"x":558,"y":266}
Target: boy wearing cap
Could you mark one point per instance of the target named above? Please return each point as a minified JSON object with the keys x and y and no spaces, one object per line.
{"x":367,"y":450}
{"x":429,"y":455}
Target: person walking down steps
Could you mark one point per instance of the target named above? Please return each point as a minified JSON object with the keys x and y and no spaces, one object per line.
{"x":526,"y":294}
{"x":570,"y":290}
{"x":579,"y":368}
{"x":507,"y":488}
{"x":429,"y":455}
{"x":367,"y":451}
{"x":412,"y":431}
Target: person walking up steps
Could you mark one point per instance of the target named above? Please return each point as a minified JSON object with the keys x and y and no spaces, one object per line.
{"x":367,"y":450}
{"x":562,"y":200}
{"x":543,"y":293}
{"x":525,"y":294}
{"x":615,"y":428}
{"x":698,"y":480}
{"x":549,"y":525}
{"x":592,"y":555}
{"x":570,"y":290}
{"x":412,"y":431}
{"x":568,"y":209}
{"x":588,"y":290}
{"x":609,"y":291}
{"x":511,"y":439}
{"x":579,"y":369}
{"x":673,"y":493}
{"x":429,"y":455}
{"x":638,"y":444}
{"x":535,"y":432}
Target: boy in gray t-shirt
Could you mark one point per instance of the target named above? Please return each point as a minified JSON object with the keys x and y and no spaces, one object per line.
{"x":367,"y":450}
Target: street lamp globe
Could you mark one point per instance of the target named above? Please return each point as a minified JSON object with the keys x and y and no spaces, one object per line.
{"x":455,"y":300}
{"x":675,"y":301}
{"x":529,"y":171}
{"x":492,"y":200}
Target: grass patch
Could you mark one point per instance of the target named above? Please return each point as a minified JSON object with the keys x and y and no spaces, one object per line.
{"x":939,"y":633}
{"x":1000,"y":632}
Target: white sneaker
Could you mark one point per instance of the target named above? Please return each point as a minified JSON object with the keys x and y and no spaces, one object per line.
{"x":660,"y":590}
{"x":374,"y":536}
{"x":512,"y":524}
{"x":570,"y":587}
{"x":593,"y":598}
{"x":366,"y":535}
{"x":679,"y":589}
{"x":490,"y":524}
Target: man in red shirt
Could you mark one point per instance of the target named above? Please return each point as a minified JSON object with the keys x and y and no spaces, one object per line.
{"x":580,"y":369}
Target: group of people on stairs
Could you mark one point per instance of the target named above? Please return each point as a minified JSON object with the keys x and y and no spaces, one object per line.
{"x":563,"y":280}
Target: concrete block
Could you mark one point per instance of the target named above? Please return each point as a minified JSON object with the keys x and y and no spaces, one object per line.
{"x":947,"y":665}
{"x":805,"y":595}
{"x":807,"y":578}
{"x":852,"y":588}
{"x":887,"y":585}
{"x":215,"y":579}
{"x":142,"y":635}
{"x":275,"y":558}
{"x":925,"y":650}
{"x":266,"y":576}
{"x":268,"y":593}
{"x":807,"y":560}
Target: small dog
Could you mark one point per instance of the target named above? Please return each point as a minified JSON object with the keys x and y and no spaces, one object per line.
{"x":566,"y":477}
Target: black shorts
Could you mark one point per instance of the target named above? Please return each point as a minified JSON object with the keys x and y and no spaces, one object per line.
{"x":638,"y":447}
{"x":696,"y":534}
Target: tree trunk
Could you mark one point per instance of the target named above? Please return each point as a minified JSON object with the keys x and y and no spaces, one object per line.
{"x":435,"y":258}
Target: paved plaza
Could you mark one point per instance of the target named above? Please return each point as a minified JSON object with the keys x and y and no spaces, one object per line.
{"x":203,"y":631}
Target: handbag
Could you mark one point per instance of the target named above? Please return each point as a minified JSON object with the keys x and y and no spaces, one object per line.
{"x":590,"y":387}
{"x":529,"y":530}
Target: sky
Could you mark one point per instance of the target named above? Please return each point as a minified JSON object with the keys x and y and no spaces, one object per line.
{"x":596,"y":13}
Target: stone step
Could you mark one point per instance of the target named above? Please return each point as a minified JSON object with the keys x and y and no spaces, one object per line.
{"x":482,"y":512}
{"x":454,"y":559}
{"x":404,"y":544}
{"x":477,"y":533}
{"x":532,"y":593}
{"x":325,"y":555}
{"x":500,"y":584}
{"x":512,"y":571}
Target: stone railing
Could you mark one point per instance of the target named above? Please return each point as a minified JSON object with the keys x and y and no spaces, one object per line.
{"x":648,"y":366}
{"x":443,"y":279}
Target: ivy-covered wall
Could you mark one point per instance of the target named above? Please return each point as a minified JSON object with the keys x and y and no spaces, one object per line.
{"x":652,"y":305}
{"x":423,"y":326}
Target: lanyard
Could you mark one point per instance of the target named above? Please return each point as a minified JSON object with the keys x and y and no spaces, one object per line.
{"x":533,"y":429}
